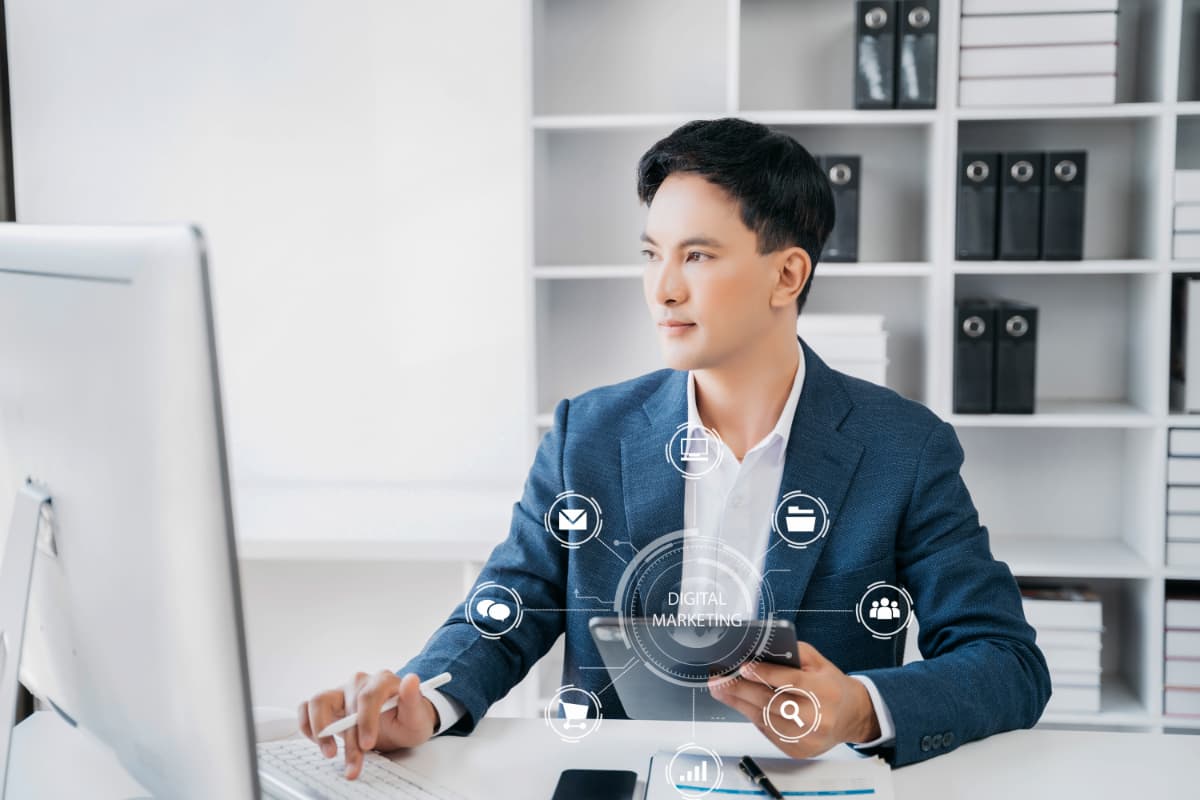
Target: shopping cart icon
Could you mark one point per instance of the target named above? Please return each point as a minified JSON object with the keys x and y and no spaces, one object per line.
{"x":801,"y":520}
{"x":575,"y":715}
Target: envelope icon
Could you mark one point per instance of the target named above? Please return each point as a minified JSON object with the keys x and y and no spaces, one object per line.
{"x":572,"y":519}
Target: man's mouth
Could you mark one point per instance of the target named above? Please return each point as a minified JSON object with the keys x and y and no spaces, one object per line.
{"x":674,"y":327}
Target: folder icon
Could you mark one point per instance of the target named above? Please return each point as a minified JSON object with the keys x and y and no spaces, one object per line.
{"x":801,"y":520}
{"x":573,"y":519}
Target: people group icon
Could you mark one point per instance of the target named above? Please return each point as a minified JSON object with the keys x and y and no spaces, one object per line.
{"x":884,"y":609}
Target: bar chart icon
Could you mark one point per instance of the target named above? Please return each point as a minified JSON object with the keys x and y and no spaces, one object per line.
{"x":697,"y":774}
{"x":695,"y":771}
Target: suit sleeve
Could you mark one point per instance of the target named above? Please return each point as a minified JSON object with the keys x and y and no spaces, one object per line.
{"x":982,"y":672}
{"x":532,"y":563}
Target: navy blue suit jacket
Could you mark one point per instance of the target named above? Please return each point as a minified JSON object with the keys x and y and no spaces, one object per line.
{"x":888,"y":470}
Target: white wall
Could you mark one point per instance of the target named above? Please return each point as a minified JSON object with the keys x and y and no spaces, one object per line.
{"x":359,"y":168}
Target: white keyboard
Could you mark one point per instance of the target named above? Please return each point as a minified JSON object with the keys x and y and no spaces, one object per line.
{"x":295,"y":769}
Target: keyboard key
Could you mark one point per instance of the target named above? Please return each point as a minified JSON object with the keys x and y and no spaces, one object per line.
{"x":298,"y":761}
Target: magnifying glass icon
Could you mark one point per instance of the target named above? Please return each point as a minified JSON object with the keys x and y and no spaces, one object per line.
{"x":790,"y":710}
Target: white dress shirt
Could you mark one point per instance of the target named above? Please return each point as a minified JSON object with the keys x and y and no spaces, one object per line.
{"x":734,"y":502}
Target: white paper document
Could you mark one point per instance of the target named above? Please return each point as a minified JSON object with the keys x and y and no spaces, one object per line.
{"x":841,"y":773}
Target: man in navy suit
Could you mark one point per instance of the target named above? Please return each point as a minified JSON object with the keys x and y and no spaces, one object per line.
{"x":737,"y":216}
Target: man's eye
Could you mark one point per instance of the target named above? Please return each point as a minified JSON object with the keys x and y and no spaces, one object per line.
{"x":697,"y":255}
{"x":648,"y":255}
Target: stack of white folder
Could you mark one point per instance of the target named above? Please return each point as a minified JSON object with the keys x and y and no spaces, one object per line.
{"x":1187,"y":214}
{"x":1069,"y":627}
{"x":1183,"y":494}
{"x":1181,"y":674}
{"x":1038,"y":52}
{"x":852,"y":343}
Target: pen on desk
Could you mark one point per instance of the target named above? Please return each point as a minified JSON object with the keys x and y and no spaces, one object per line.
{"x":759,"y":778}
{"x":350,"y":721}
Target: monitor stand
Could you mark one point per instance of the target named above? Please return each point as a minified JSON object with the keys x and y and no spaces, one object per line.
{"x":16,"y":574}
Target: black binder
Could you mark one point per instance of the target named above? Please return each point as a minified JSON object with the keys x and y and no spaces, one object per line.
{"x":1016,"y":358}
{"x":916,"y":66}
{"x":974,"y":349}
{"x":875,"y":55}
{"x":843,"y":173}
{"x":975,"y":227}
{"x":1020,"y":205}
{"x":1064,"y":188}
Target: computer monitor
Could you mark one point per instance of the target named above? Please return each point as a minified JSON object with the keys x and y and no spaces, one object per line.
{"x":110,"y":402}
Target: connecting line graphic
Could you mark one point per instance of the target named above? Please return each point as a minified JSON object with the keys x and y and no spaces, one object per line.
{"x":599,"y":600}
{"x":616,"y":555}
{"x":805,"y":610}
{"x":814,"y":611}
{"x":768,"y":550}
{"x":589,"y":610}
{"x":628,"y":666}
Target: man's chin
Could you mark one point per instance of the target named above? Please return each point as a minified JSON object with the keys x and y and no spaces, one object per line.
{"x":683,"y":359}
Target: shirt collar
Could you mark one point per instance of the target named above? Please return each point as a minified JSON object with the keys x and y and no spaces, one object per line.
{"x":783,"y":426}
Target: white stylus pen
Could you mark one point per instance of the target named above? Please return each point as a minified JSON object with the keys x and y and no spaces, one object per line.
{"x":346,"y":723}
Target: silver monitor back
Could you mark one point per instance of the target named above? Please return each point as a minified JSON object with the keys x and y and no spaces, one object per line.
{"x":110,"y":399}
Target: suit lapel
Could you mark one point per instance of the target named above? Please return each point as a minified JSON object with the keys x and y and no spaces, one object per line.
{"x":652,"y":487}
{"x":820,"y":461}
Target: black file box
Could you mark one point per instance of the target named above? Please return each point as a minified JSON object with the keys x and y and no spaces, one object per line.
{"x":1064,"y":187}
{"x":978,"y":206}
{"x":974,"y":352}
{"x":1020,"y":206}
{"x":916,"y":65}
{"x":843,"y":173}
{"x":1016,"y":358}
{"x":875,"y":55}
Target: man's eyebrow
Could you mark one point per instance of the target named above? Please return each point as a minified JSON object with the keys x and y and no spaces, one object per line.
{"x":691,"y":241}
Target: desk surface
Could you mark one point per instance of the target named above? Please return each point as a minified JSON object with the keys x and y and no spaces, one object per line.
{"x":1025,"y":764}
{"x":521,"y":758}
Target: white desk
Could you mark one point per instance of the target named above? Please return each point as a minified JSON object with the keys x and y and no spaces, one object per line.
{"x":521,"y":759}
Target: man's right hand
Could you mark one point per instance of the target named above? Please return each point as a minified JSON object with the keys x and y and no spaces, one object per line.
{"x":412,"y":722}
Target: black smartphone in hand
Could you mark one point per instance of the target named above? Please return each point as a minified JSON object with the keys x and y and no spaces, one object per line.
{"x":595,"y":784}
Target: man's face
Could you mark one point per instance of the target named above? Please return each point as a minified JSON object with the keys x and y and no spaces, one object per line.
{"x":709,"y":291}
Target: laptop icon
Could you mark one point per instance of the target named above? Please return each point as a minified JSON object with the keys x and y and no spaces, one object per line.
{"x":693,"y":448}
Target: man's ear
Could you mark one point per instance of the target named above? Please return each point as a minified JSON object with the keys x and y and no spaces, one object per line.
{"x":794,"y":271}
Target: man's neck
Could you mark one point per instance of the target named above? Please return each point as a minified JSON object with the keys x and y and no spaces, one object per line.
{"x":742,"y":401}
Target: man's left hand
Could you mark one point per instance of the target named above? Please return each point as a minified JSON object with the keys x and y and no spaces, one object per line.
{"x":847,"y":714}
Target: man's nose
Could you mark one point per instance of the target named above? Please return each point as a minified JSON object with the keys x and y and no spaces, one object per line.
{"x":670,"y":288}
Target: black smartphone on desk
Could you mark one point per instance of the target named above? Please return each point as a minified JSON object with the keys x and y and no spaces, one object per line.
{"x":595,"y":784}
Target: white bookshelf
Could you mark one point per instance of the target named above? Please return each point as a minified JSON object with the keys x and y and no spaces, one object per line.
{"x":1074,"y":492}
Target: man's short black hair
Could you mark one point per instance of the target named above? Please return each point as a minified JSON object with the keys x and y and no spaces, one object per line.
{"x":783,"y":192}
